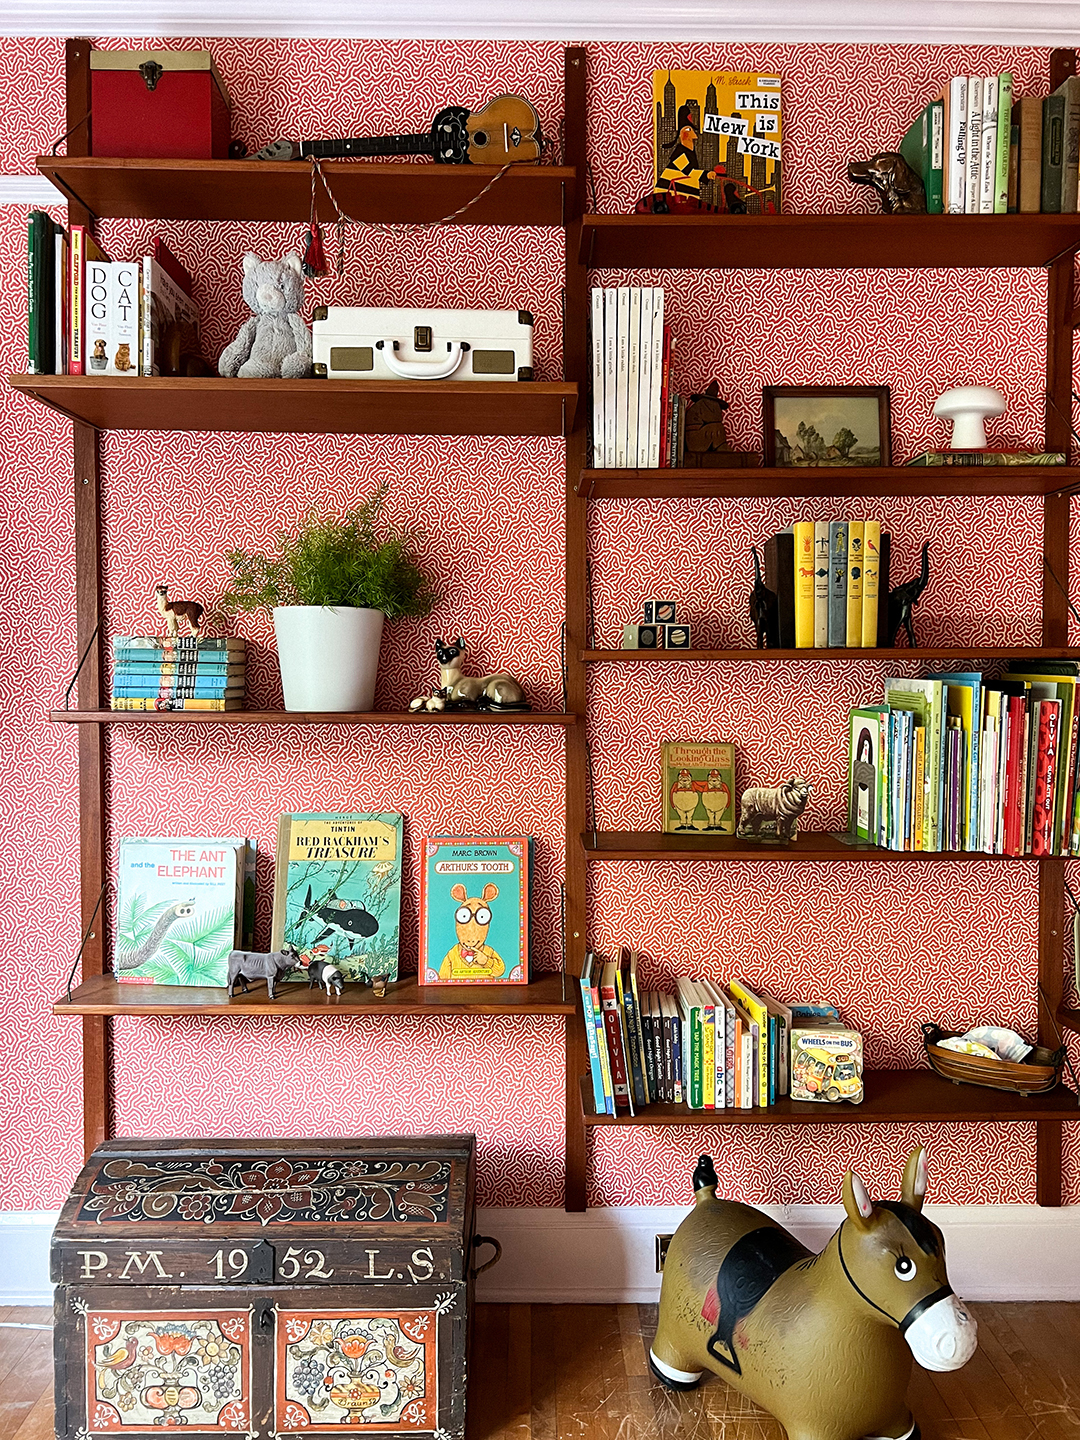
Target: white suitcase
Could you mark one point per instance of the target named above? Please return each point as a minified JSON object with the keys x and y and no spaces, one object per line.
{"x":355,"y":343}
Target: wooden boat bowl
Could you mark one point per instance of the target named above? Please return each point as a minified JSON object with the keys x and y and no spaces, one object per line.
{"x":1035,"y":1076}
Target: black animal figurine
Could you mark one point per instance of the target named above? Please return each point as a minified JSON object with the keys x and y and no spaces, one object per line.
{"x":245,"y":965}
{"x":764,"y":609}
{"x":347,"y":917}
{"x":899,"y":189}
{"x":903,"y":599}
{"x":326,"y":974}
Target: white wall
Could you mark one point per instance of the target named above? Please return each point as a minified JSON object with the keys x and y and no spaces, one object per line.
{"x":996,"y":1252}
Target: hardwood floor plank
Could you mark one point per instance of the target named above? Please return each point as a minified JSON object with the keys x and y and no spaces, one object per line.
{"x":1044,"y":1424}
{"x":517,"y":1423}
{"x":635,"y":1344}
{"x":1040,"y":1341}
{"x":542,"y":1373}
{"x":38,"y":1424}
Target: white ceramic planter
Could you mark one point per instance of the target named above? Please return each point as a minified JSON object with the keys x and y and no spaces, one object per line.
{"x":329,"y":656}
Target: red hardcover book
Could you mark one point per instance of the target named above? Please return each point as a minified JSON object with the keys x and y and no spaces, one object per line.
{"x":171,"y":265}
{"x":1013,"y":830}
{"x":1042,"y":820}
{"x":665,"y":401}
{"x":613,"y":1026}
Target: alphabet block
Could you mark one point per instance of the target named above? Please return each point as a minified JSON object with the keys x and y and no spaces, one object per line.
{"x":643,"y":637}
{"x":677,"y":637}
{"x":660,"y":612}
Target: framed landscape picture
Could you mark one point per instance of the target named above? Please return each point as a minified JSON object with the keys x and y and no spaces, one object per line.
{"x":825,"y":425}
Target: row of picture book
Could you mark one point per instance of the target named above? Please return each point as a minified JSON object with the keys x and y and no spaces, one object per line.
{"x":186,"y":672}
{"x":637,"y":421}
{"x":980,"y":150}
{"x":89,"y":315}
{"x":708,"y":1046}
{"x":828,"y":577}
{"x":185,"y":903}
{"x":960,"y":761}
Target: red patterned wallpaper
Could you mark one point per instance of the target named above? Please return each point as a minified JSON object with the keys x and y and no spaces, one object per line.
{"x":955,"y":942}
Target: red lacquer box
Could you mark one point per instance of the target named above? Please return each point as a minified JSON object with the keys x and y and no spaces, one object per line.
{"x":158,"y":105}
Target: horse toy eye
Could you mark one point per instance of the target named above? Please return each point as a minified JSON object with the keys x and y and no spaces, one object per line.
{"x":904,"y":1268}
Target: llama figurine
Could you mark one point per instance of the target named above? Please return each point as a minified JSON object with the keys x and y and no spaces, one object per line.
{"x":177,"y":610}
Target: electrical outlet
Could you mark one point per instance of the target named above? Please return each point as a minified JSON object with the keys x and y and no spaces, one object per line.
{"x":662,"y":1243}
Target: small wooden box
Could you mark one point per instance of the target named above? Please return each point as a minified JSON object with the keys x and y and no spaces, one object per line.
{"x":273,"y":1287}
{"x":158,"y":105}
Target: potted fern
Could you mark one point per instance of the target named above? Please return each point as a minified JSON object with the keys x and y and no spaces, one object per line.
{"x":330,"y":586}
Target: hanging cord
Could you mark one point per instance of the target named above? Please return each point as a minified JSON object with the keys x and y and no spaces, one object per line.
{"x":1057,"y":1035}
{"x":1072,"y":608}
{"x":61,"y":138}
{"x":86,"y":937}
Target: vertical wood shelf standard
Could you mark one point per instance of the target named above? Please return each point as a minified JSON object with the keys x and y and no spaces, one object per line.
{"x":830,"y":242}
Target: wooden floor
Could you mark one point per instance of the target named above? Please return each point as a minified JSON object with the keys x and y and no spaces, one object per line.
{"x":579,"y":1372}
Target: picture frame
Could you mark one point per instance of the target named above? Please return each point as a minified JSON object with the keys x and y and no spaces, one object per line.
{"x":802,"y":423}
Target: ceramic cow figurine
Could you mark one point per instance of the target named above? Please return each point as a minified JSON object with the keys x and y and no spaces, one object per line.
{"x":824,"y":1342}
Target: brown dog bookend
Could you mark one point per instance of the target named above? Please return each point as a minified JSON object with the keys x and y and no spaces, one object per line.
{"x":898,"y":187}
{"x":823,"y":1342}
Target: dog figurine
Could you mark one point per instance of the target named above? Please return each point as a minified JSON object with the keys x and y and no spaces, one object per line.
{"x":899,"y":189}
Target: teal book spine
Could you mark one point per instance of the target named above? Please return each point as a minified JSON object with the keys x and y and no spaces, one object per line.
{"x":585,"y":981}
{"x":838,"y":582}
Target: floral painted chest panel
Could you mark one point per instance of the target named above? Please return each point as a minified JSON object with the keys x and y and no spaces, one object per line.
{"x":266,"y":1288}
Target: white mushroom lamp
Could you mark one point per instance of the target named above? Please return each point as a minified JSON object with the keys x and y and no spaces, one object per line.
{"x":967,"y":407}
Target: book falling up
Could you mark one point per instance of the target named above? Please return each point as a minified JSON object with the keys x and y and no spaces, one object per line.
{"x":337,"y":891}
{"x":474,"y":911}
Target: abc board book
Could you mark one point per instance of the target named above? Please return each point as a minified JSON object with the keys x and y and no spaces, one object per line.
{"x":699,"y":786}
{"x":717,"y":139}
{"x":474,"y":911}
{"x":337,"y":891}
{"x":180,"y":909}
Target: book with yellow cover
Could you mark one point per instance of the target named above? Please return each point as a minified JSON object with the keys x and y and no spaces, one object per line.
{"x":805,"y":583}
{"x":855,"y":585}
{"x":871,"y":578}
{"x":698,"y":777}
{"x":716,"y":138}
{"x":758,"y":1011}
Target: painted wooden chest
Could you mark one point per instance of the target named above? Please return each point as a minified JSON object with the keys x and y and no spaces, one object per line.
{"x":270,"y":1288}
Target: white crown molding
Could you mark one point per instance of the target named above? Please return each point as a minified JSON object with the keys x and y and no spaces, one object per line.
{"x":1005,"y":22}
{"x":29,"y":190}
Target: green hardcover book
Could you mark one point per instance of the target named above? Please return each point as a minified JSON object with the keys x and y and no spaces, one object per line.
{"x":934,"y":179}
{"x":1004,"y":143}
{"x":915,"y":146}
{"x":1069,"y":91}
{"x":690,"y":1007}
{"x":41,"y":280}
{"x":1053,"y":154}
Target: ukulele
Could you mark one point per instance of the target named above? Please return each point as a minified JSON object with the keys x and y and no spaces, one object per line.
{"x":505,"y":131}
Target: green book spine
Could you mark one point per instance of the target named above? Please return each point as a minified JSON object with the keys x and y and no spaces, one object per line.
{"x":915,"y":146}
{"x":934,"y":179}
{"x":1053,"y":153}
{"x":31,"y":296}
{"x":1004,"y":141}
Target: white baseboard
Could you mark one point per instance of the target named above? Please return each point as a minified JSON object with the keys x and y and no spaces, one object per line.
{"x":996,"y":1252}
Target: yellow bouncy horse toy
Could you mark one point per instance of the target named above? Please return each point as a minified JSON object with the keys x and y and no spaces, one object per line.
{"x":824,"y":1342}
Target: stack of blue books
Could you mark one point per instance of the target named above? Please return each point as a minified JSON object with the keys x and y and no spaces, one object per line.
{"x":183,"y":672}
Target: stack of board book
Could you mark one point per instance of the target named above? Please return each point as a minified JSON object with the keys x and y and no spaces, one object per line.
{"x":89,"y":315}
{"x":962,"y":761}
{"x":704,"y":1045}
{"x":183,"y":904}
{"x":181,"y":672}
{"x":828,"y":577}
{"x":980,"y":150}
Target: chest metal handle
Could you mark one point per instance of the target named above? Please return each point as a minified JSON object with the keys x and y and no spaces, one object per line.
{"x":479,"y":1240}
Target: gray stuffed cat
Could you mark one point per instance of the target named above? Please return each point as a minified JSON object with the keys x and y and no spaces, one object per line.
{"x":275,"y":341}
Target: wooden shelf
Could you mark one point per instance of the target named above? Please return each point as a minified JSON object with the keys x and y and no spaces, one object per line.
{"x":954,"y":653}
{"x":900,"y":1096}
{"x":308,"y":407}
{"x":828,"y":482}
{"x":301,"y":717}
{"x":1069,"y":1019}
{"x":103,"y":995}
{"x":811,"y":845}
{"x":824,"y":242}
{"x":400,"y":193}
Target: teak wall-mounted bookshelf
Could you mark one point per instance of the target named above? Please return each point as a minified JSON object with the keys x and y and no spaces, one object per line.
{"x":555,"y":196}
